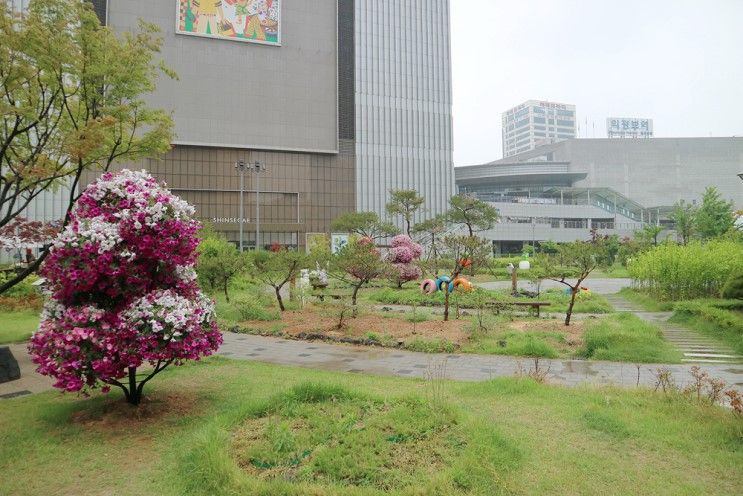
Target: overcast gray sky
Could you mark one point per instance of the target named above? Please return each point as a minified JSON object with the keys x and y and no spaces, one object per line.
{"x":679,"y":62}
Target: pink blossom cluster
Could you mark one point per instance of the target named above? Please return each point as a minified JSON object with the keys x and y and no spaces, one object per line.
{"x":402,"y":255}
{"x":122,"y":287}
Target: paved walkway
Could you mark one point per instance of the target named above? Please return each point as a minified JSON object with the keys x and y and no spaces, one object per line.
{"x":697,"y":348}
{"x":604,"y":286}
{"x":467,"y":367}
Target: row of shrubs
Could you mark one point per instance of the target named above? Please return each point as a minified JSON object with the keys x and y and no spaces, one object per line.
{"x":697,"y":270}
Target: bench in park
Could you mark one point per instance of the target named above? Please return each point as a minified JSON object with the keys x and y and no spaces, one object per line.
{"x":533,"y":305}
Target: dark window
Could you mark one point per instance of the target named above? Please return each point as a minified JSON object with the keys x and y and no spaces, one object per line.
{"x":539,"y":120}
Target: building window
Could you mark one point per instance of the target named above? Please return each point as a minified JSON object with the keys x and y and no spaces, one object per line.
{"x":539,"y":120}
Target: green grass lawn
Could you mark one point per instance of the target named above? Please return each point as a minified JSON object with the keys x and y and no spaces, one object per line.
{"x":223,"y":427}
{"x":617,"y":337}
{"x":17,"y":326}
{"x":626,"y":338}
{"x":719,"y":319}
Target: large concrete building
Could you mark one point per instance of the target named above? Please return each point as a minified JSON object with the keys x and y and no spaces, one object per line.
{"x":559,"y":192}
{"x":340,"y":100}
{"x":535,"y":123}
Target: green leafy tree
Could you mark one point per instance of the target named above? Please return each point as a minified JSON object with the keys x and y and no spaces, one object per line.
{"x":219,"y":262}
{"x":433,"y":229}
{"x":276,"y":268}
{"x":471,"y":212}
{"x":71,"y":101}
{"x":405,"y":203}
{"x":576,"y":262}
{"x":714,"y":216}
{"x":364,"y":224}
{"x":648,"y":235}
{"x":359,"y":263}
{"x":684,"y":218}
{"x":733,"y":288}
{"x":463,"y":252}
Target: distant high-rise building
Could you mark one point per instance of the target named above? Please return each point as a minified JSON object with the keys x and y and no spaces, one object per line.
{"x":535,"y":123}
{"x":629,"y":127}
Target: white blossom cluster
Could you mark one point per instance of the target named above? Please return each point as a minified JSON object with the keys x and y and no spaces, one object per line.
{"x":168,"y":313}
{"x":136,"y":185}
{"x":185,"y":273}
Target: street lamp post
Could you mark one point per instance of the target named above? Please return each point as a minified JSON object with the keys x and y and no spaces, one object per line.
{"x":255,"y":167}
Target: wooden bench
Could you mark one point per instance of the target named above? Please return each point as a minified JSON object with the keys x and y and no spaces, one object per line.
{"x":335,"y":295}
{"x":534,"y":305}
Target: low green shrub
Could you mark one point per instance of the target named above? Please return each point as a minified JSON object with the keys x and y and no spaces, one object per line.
{"x":430,"y":345}
{"x":249,"y":309}
{"x":733,"y":289}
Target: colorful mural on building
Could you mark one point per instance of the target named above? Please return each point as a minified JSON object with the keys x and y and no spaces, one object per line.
{"x":256,"y":21}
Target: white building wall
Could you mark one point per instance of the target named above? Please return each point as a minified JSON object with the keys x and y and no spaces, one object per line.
{"x":403,"y":102}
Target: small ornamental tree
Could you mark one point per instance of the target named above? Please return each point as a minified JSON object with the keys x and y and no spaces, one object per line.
{"x":364,"y":224}
{"x":122,"y":290}
{"x":405,"y":203}
{"x":463,"y":252}
{"x":276,"y":268}
{"x":576,"y":260}
{"x":361,"y":261}
{"x":403,"y":255}
{"x":219,"y":263}
{"x":432,"y":229}
{"x":475,"y":214}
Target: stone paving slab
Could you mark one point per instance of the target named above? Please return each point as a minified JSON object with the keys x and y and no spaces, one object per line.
{"x":30,"y":381}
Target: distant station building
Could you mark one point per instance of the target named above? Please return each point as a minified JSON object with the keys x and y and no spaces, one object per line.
{"x":629,"y":127}
{"x":535,"y":123}
{"x":559,"y":192}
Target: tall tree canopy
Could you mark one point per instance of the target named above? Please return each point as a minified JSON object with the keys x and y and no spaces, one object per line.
{"x":364,"y":224}
{"x":715,"y":216}
{"x":405,"y":203}
{"x":472,"y":212}
{"x":684,"y":216}
{"x":71,"y":100}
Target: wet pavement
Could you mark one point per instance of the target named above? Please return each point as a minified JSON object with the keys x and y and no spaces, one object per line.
{"x":598,"y":285}
{"x":458,"y":366}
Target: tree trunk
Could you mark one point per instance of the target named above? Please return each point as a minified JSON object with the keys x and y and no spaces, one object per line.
{"x":446,"y":303}
{"x":134,"y":396}
{"x":226,"y":296}
{"x":573,"y":292}
{"x":277,"y":289}
{"x":514,"y":280}
{"x":355,"y":293}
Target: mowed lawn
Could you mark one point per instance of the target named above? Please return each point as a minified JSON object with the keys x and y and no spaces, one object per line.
{"x":17,"y":326}
{"x":229,"y":427}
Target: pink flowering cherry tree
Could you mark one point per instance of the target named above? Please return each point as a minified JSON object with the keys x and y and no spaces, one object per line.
{"x":402,"y":256}
{"x":122,"y":291}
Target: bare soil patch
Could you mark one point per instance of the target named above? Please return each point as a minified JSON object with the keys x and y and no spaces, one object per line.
{"x":392,"y":325}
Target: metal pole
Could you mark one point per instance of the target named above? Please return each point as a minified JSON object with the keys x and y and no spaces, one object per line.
{"x":240,"y":166}
{"x":258,"y":206}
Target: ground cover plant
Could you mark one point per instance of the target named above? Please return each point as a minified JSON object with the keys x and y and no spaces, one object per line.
{"x":526,"y":438}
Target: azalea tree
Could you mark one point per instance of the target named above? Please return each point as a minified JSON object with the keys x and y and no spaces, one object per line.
{"x":405,"y":203}
{"x":122,"y":291}
{"x":363,"y":224}
{"x":359,"y":263}
{"x":71,"y":102}
{"x":276,"y":268}
{"x":402,"y":256}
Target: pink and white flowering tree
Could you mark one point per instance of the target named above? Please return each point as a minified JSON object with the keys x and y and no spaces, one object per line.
{"x":403,"y":255}
{"x":122,"y":290}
